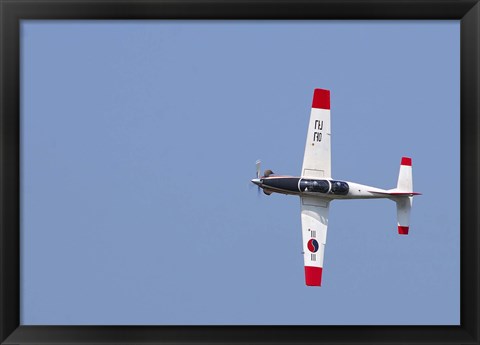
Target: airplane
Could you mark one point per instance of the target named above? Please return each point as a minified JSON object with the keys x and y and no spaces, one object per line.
{"x":317,"y":188}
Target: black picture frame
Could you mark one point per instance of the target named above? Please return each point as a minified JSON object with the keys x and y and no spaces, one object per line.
{"x":12,"y":12}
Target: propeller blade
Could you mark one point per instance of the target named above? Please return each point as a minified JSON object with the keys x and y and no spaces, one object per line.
{"x":258,"y":163}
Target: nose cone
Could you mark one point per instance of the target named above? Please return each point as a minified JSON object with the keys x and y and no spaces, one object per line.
{"x":257,"y":181}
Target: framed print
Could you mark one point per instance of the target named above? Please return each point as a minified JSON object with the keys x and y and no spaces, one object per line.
{"x":129,"y":138}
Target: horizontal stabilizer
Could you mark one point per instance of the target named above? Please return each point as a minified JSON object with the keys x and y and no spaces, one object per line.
{"x":403,"y":195}
{"x":404,"y":206}
{"x":404,"y":183}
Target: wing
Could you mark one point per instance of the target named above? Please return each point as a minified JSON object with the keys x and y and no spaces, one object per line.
{"x":316,"y":160}
{"x":314,"y":235}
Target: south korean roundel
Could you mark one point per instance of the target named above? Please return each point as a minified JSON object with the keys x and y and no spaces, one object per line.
{"x":312,"y":245}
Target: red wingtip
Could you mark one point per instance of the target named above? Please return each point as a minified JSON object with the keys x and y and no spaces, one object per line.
{"x":321,"y":99}
{"x":406,"y":161}
{"x":402,"y":230}
{"x":313,"y":276}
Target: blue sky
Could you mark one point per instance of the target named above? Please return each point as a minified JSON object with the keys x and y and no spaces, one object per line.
{"x":139,"y":139}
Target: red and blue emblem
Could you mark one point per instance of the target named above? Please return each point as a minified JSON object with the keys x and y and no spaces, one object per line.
{"x":312,"y":245}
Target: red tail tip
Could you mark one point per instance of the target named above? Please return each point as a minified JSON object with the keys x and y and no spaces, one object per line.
{"x":406,"y":161}
{"x":321,"y":99}
{"x":313,"y":276}
{"x":403,"y":230}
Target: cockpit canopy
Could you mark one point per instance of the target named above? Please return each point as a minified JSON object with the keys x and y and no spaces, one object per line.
{"x":339,"y":188}
{"x":319,"y":186}
{"x":324,"y":186}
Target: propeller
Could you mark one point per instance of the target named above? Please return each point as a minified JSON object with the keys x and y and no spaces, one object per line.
{"x":267,"y":173}
{"x":258,"y":164}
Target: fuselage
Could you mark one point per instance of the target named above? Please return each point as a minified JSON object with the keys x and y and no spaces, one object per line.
{"x":325,"y":188}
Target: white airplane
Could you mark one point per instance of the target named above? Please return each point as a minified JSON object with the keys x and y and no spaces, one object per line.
{"x":317,"y":188}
